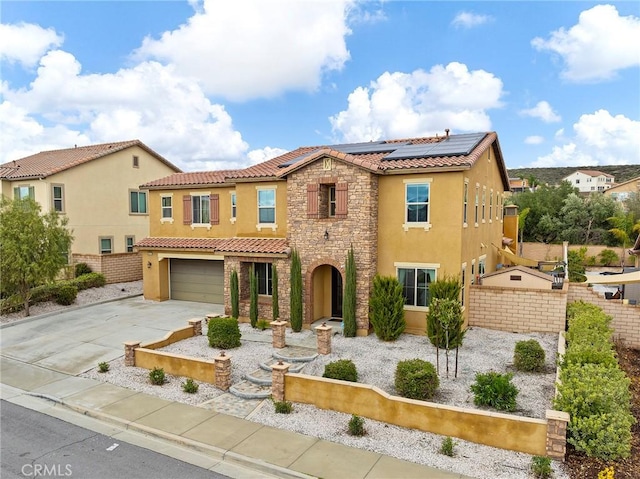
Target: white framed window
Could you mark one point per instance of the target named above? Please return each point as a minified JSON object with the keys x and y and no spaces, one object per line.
{"x":484,"y":202}
{"x":166,"y":205}
{"x":465,"y":203}
{"x":332,"y":201}
{"x":267,"y":206}
{"x":137,"y":202}
{"x":129,"y":242}
{"x":417,"y":202}
{"x":482,"y":265}
{"x":57,"y":198}
{"x":22,"y":192}
{"x":473,"y":271}
{"x":415,"y":281}
{"x":200,"y":206}
{"x":490,"y":205}
{"x":105,"y":244}
{"x":234,"y":210}
{"x":264,"y":276}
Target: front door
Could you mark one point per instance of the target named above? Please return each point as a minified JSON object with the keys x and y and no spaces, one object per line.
{"x":336,"y":293}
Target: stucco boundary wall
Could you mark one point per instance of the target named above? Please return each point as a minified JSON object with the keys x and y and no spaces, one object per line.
{"x":116,"y":267}
{"x":553,"y":252}
{"x":626,"y":317}
{"x":516,"y":433}
{"x":518,"y":310}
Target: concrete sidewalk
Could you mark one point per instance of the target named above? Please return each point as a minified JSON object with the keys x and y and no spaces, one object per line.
{"x":42,"y":358}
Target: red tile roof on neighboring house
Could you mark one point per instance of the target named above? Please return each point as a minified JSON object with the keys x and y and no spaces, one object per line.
{"x":47,"y":163}
{"x":222,"y":245}
{"x":595,"y":173}
{"x":201,"y":178}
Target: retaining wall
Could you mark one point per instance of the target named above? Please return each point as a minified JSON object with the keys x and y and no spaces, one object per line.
{"x":116,"y":267}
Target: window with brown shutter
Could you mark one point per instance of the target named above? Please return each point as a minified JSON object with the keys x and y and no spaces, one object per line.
{"x":186,"y":210}
{"x":312,"y":200}
{"x":341,"y":200}
{"x":215,"y":209}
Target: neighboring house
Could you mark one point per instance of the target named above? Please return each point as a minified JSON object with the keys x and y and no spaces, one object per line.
{"x":589,"y":181}
{"x":96,"y":188}
{"x":622,"y":191}
{"x":518,"y":185}
{"x":417,"y":209}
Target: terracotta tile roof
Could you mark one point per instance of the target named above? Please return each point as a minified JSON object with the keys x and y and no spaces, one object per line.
{"x":595,"y":173}
{"x":47,"y":163}
{"x":197,"y":178}
{"x":222,"y":245}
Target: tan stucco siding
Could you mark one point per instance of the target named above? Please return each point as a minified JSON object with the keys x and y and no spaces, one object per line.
{"x":247,"y":216}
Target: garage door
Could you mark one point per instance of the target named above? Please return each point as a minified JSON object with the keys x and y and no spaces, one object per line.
{"x":197,"y":280}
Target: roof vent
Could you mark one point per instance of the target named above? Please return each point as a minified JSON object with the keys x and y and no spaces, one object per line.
{"x":446,"y":130}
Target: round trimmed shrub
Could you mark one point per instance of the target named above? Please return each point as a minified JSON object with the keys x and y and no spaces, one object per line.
{"x":66,"y":294}
{"x":416,"y":379}
{"x":82,"y":268}
{"x":529,"y":356}
{"x":343,"y":369}
{"x":223,"y":333}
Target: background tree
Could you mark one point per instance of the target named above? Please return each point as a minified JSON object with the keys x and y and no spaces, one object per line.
{"x":626,"y":229}
{"x":295,"y":302}
{"x":386,"y":308}
{"x":253,"y":297}
{"x":632,"y":204}
{"x":275,"y":307}
{"x":349,"y":299}
{"x":235,"y":295}
{"x":33,"y":246}
{"x":522,"y":217}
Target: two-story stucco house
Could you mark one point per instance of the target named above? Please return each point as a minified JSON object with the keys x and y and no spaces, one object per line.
{"x":417,"y":209}
{"x":96,"y":188}
{"x":590,"y":181}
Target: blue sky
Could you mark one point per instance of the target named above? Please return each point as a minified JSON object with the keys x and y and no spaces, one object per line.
{"x":224,"y":84}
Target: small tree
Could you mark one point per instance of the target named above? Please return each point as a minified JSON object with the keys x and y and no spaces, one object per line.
{"x":625,"y":228}
{"x":33,"y":246}
{"x":349,"y":300}
{"x":445,"y":328}
{"x":386,"y":308}
{"x":275,"y":307}
{"x":296,"y":292}
{"x":235,"y":295}
{"x":253,"y":297}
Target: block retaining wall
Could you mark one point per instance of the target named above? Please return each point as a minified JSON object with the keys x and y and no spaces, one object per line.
{"x":117,"y":267}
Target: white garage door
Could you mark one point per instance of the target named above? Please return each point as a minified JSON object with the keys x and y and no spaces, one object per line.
{"x":197,"y":280}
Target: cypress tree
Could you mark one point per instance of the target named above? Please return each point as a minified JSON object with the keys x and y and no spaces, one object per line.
{"x":296,"y":292}
{"x":253,"y":293}
{"x":235,"y":298}
{"x":349,"y":299}
{"x":274,"y":293}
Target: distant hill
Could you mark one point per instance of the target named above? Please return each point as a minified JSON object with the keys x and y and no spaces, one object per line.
{"x":553,"y":176}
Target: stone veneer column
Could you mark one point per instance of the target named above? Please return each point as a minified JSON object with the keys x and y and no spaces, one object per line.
{"x":130,"y":352}
{"x":223,"y":371}
{"x":196,"y":324}
{"x":278,"y":372}
{"x":557,"y":434}
{"x":324,"y":338}
{"x":278,"y":329}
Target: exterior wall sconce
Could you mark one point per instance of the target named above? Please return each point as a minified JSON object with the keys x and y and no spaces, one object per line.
{"x":326,"y":235}
{"x":148,"y":264}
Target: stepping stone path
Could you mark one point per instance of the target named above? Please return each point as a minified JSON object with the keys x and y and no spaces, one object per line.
{"x":257,"y":385}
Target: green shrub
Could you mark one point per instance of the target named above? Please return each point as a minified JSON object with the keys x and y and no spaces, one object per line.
{"x":157,"y":377}
{"x":591,"y":261}
{"x":608,"y":257}
{"x":103,"y":367}
{"x":66,"y":294}
{"x":416,"y":379}
{"x":447,"y":447}
{"x":529,"y":356}
{"x":81,"y":269}
{"x":448,"y":287}
{"x":91,"y":280}
{"x":495,"y":390}
{"x":541,"y":467}
{"x":190,"y":386}
{"x":576,"y":259}
{"x":597,"y":399}
{"x":589,"y":336}
{"x":295,"y":301}
{"x":445,"y":323}
{"x":223,"y":333}
{"x":262,"y":324}
{"x":283,"y":407}
{"x":356,"y":426}
{"x":343,"y":369}
{"x":386,"y":308}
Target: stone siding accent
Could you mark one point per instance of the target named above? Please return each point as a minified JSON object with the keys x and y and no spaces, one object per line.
{"x":557,"y":434}
{"x":117,"y":267}
{"x":307,"y":235}
{"x":223,"y":371}
{"x":517,"y":310}
{"x":626,"y":317}
{"x":278,"y":332}
{"x":130,"y":352}
{"x":323,"y":336}
{"x":278,"y":371}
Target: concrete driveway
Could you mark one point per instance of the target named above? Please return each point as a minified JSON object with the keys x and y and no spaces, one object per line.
{"x":74,"y":341}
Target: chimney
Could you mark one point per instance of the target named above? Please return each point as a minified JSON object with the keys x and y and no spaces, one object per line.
{"x":446,"y":130}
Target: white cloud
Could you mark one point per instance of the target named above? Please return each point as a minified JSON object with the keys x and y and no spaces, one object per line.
{"x":25,"y":43}
{"x":534,"y":140}
{"x":264,"y":154}
{"x":470,"y":20}
{"x":543,"y":111}
{"x":253,"y":48}
{"x":600,"y":139}
{"x":400,"y":105}
{"x":597,"y":47}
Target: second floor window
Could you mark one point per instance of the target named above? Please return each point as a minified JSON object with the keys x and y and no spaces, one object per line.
{"x":465,"y":203}
{"x":57,"y":194}
{"x":167,"y":207}
{"x":266,"y":206}
{"x":233,"y":205}
{"x":417,"y":203}
{"x":138,"y":202}
{"x":22,"y":192}
{"x":332,"y":201}
{"x":200,"y":209}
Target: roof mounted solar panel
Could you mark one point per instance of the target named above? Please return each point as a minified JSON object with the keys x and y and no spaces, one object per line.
{"x":369,"y":147}
{"x":455,"y":145}
{"x":293,"y":161}
{"x":409,"y":151}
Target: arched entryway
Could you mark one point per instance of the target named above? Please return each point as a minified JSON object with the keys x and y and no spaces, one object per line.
{"x":326,"y":288}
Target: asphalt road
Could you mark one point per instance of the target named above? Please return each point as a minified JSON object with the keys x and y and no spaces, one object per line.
{"x":36,"y":445}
